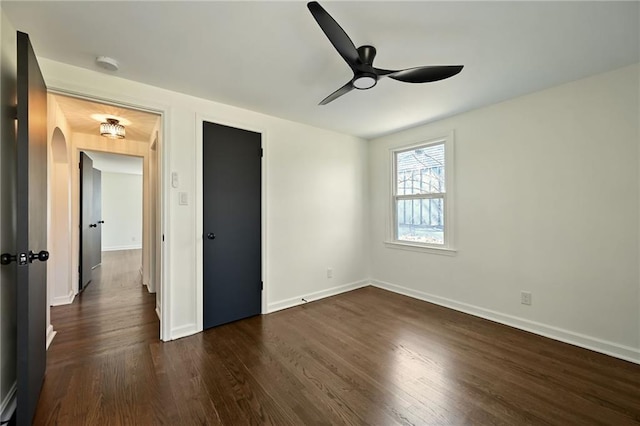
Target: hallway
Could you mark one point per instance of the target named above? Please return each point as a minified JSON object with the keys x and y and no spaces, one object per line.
{"x":103,"y":336}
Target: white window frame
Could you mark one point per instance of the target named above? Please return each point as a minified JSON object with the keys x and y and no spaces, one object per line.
{"x":448,"y":248}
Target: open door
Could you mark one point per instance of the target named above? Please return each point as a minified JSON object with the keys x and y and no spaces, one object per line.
{"x":96,"y":211}
{"x":31,"y":230}
{"x":86,"y":220}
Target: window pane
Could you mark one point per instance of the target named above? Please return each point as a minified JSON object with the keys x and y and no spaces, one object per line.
{"x":420,"y":171}
{"x":421,"y":221}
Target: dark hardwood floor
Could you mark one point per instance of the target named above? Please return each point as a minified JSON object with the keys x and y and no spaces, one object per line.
{"x":364,"y":357}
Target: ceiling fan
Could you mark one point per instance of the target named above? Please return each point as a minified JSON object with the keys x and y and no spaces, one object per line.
{"x":360,"y":60}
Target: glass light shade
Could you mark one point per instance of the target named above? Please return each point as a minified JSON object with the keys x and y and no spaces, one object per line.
{"x":112,"y":129}
{"x":364,"y":82}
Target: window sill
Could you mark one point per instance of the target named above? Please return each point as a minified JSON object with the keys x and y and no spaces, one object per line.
{"x":416,"y":247}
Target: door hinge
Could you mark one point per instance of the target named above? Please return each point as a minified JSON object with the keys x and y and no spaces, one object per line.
{"x":261,"y":285}
{"x":163,"y":237}
{"x":261,"y":152}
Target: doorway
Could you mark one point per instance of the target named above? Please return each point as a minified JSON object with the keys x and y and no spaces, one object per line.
{"x":111,"y":209}
{"x":78,"y":120}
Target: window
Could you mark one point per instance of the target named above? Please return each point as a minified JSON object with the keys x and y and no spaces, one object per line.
{"x":421,"y":194}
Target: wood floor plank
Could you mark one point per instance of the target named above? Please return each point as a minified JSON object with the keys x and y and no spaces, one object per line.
{"x":363,"y":357}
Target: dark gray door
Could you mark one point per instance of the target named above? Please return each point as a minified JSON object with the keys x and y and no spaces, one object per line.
{"x":31,"y":222}
{"x":96,"y":243}
{"x":86,"y":219}
{"x":232,"y":287}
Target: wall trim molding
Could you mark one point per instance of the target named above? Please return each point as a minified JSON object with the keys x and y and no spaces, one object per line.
{"x":127,"y":247}
{"x":9,"y":404}
{"x":295,"y":301}
{"x":616,"y":350}
{"x":184,"y":331}
{"x":63,"y":300}
{"x":51,"y":333}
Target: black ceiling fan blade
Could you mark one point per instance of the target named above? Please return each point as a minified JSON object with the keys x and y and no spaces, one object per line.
{"x":422,"y":74}
{"x":334,"y":32}
{"x":335,"y":95}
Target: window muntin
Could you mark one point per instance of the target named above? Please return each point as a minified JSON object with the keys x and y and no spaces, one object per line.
{"x":420,"y":196}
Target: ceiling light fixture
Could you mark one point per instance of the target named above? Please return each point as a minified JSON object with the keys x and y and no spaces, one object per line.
{"x":364,"y":81}
{"x":112,"y":129}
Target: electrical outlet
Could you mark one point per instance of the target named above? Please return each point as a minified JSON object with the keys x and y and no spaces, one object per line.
{"x":329,"y":272}
{"x":525,"y":298}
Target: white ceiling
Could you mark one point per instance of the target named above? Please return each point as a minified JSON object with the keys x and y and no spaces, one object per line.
{"x":272,"y":57}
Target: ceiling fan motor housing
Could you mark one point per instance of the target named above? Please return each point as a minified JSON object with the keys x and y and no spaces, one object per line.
{"x":367,"y":54}
{"x":364,"y":77}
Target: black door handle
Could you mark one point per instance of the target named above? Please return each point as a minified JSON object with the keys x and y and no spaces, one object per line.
{"x":101,"y":221}
{"x":93,"y":225}
{"x":42,"y":256}
{"x":7,"y":258}
{"x":211,"y":236}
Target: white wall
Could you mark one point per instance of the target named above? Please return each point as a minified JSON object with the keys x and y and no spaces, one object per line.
{"x":317,"y":211}
{"x":546,"y":201}
{"x":8,"y":336}
{"x":121,"y":211}
{"x":309,"y":227}
{"x":60,"y":279}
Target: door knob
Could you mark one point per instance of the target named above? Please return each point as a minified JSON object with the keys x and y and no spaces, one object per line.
{"x":7,"y":258}
{"x":42,"y":256}
{"x":101,"y":221}
{"x":211,"y":236}
{"x":93,"y":225}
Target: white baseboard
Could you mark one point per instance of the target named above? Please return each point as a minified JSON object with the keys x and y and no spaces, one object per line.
{"x":51,"y":333}
{"x":184,"y":331}
{"x":63,"y":300}
{"x":116,"y":248}
{"x":8,"y":404}
{"x":609,"y":348}
{"x":295,"y":301}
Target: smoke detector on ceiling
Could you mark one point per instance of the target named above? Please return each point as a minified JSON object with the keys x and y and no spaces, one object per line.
{"x":107,"y":63}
